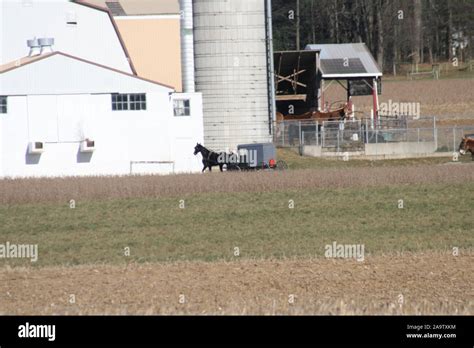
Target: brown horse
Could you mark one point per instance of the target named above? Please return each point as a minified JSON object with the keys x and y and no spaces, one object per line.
{"x":467,"y":145}
{"x":335,"y":115}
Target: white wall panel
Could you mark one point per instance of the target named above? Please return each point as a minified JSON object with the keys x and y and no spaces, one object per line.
{"x":42,"y":118}
{"x":75,"y":121}
{"x":121,"y":137}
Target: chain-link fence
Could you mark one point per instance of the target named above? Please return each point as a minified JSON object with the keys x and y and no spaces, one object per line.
{"x":353,"y":135}
{"x":448,"y":139}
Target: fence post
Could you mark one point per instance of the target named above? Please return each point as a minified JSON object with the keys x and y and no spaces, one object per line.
{"x":418,"y":135}
{"x":366,"y":131}
{"x":317,"y":135}
{"x":323,"y":135}
{"x":282,"y":123}
{"x":299,"y":131}
{"x":454,"y":138}
{"x":338,"y":132}
{"x":435,"y":133}
{"x":302,"y":138}
{"x":359,"y":124}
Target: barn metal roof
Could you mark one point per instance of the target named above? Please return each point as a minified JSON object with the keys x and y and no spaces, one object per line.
{"x":139,"y":7}
{"x":352,"y":60}
{"x":19,"y":63}
{"x":22,"y":61}
{"x":116,"y":8}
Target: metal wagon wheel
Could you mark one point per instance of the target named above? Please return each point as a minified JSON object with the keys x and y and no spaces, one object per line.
{"x":281,"y":165}
{"x":360,"y":115}
{"x":340,"y":104}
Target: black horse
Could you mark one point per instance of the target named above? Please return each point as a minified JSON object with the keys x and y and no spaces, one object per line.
{"x":210,"y":158}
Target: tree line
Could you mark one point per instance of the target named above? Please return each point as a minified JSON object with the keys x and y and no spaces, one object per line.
{"x":396,"y":31}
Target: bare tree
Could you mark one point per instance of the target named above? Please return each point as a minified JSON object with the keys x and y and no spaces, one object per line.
{"x":380,"y":33}
{"x":298,"y":23}
{"x":416,"y":32}
{"x":425,"y":32}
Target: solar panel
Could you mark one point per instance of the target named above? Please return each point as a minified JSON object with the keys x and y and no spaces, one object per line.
{"x":342,"y":66}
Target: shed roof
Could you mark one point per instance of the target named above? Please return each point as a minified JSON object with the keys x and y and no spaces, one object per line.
{"x":351,"y":60}
{"x":139,"y":7}
{"x":287,"y":61}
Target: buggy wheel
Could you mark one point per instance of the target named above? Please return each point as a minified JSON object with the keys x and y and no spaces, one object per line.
{"x":281,"y":165}
{"x":232,"y":168}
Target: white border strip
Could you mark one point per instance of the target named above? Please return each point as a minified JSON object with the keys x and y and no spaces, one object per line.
{"x":350,"y":75}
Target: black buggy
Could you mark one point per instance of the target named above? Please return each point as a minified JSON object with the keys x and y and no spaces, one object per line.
{"x":260,"y":156}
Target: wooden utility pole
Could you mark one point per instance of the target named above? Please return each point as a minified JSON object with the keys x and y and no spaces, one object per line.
{"x":297,"y":25}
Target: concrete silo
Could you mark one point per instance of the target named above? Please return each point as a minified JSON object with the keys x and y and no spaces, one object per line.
{"x":234,"y":70}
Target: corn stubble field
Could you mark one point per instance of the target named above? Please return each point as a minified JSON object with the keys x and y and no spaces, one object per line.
{"x":450,"y":100}
{"x":184,"y":260}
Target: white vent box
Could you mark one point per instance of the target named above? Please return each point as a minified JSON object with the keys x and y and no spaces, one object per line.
{"x":35,"y":147}
{"x":87,"y":145}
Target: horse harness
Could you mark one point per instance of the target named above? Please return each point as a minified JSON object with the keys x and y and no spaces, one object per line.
{"x":209,"y":160}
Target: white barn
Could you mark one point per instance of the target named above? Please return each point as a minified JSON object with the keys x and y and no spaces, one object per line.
{"x":80,"y":111}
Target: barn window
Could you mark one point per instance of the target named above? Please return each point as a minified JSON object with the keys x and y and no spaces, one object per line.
{"x":3,"y":105}
{"x":182,"y":107}
{"x":119,"y":102}
{"x":124,"y":102}
{"x":138,"y":101}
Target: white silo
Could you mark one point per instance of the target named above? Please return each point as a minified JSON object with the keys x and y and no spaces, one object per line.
{"x":233,"y":70}
{"x":187,"y":45}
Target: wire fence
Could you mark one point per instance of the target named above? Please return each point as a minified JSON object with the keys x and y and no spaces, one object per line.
{"x":353,"y":135}
{"x":449,"y":138}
